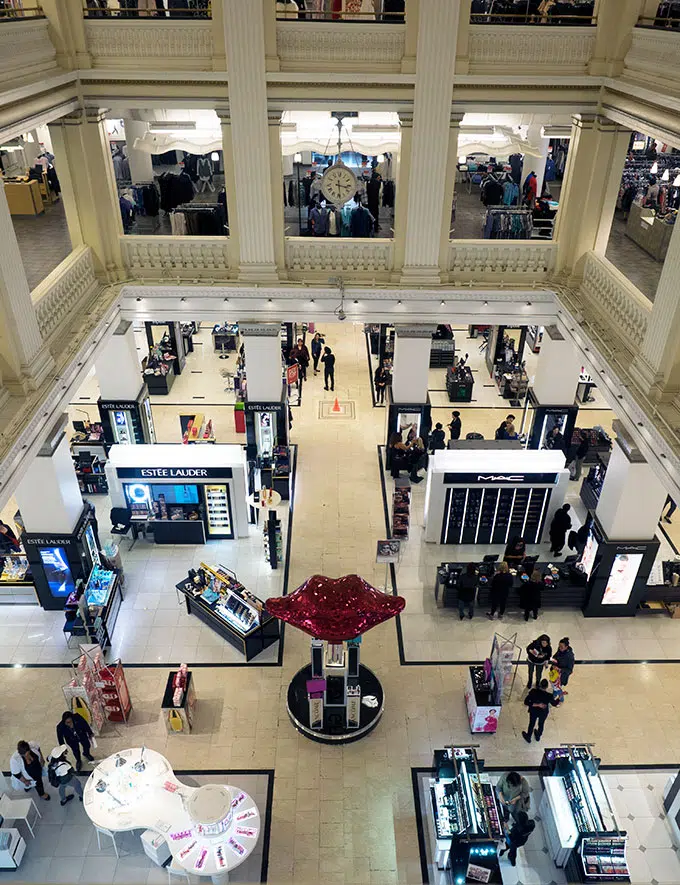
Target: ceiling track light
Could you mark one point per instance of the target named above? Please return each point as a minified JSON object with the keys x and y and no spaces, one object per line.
{"x":443,"y":303}
{"x":182,"y":300}
{"x":226,"y":300}
{"x":311,"y":301}
{"x":139,"y":298}
{"x":269,"y":301}
{"x":399,"y":302}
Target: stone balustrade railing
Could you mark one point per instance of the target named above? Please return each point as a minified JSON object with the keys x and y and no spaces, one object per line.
{"x":613,"y":303}
{"x":172,"y":258}
{"x":25,"y":50}
{"x":64,"y":291}
{"x":324,"y":46}
{"x":524,"y":48}
{"x":654,"y":56}
{"x":310,"y":257}
{"x":147,"y":45}
{"x":500,"y":260}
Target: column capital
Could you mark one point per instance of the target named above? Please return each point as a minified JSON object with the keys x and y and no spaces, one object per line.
{"x":82,"y":115}
{"x":406,"y":118}
{"x":583,"y":121}
{"x":274,"y":116}
{"x":415,"y":330}
{"x":224,"y":115}
{"x":260,"y":330}
{"x":455,"y":119}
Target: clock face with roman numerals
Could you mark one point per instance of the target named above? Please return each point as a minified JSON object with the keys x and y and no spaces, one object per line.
{"x":338,"y":184}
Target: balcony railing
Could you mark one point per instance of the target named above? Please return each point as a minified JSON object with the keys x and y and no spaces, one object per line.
{"x":64,"y":290}
{"x":176,"y":258}
{"x":504,"y":261}
{"x":141,"y":44}
{"x":18,"y":12}
{"x":555,"y":51}
{"x":126,"y":9}
{"x":555,"y":16}
{"x":654,"y":55}
{"x":26,"y":49}
{"x":385,"y":11}
{"x":310,"y":257}
{"x":319,"y":45}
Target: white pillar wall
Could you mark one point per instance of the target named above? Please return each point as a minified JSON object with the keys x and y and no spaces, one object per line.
{"x":435,"y":63}
{"x":117,"y":365}
{"x":558,"y":370}
{"x":264,"y":372}
{"x":411,"y":364}
{"x":631,"y":499}
{"x":48,"y":496}
{"x":25,"y":362}
{"x":141,"y":166}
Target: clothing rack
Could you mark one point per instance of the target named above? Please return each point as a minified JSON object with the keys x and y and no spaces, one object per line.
{"x":199,"y":219}
{"x":507,"y":223}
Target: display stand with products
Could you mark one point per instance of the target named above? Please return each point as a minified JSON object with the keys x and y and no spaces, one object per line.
{"x":489,"y":496}
{"x":273,"y":540}
{"x":277,"y":475}
{"x":188,"y":331}
{"x":266,"y":430}
{"x":411,"y":420}
{"x":584,"y":387}
{"x":94,"y":612}
{"x":83,"y":694}
{"x":89,"y":437}
{"x":542,"y":419}
{"x":115,"y":694}
{"x":195,"y":429}
{"x":581,"y":830}
{"x":534,"y":338}
{"x":459,"y":384}
{"x":225,"y":338}
{"x":90,"y":473}
{"x":179,"y":702}
{"x":468,"y":823}
{"x":217,"y":598}
{"x":179,"y":493}
{"x":487,"y":685}
{"x":442,"y":353}
{"x":16,"y":581}
{"x":591,"y":487}
{"x":128,"y":421}
{"x":170,"y":342}
{"x":401,"y":508}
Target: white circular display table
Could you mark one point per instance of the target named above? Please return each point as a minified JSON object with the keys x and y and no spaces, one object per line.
{"x":209,"y":830}
{"x":269,"y":503}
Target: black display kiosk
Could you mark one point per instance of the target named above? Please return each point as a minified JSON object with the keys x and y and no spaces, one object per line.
{"x":58,"y":560}
{"x":403,"y":417}
{"x":174,"y":333}
{"x":543,"y":418}
{"x":129,"y":422}
{"x":617,"y":573}
{"x":496,"y":347}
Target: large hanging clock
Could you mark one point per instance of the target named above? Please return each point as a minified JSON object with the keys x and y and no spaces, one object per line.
{"x":339,"y":183}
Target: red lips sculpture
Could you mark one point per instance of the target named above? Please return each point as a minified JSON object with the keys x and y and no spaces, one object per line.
{"x":335,"y":609}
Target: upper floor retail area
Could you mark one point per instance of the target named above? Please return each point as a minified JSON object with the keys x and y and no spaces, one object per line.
{"x":507,"y":160}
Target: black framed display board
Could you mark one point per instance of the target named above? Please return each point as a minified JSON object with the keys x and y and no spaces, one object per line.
{"x":127,"y":421}
{"x":266,"y":428}
{"x":173,"y":330}
{"x":407,"y":418}
{"x":505,"y":346}
{"x":543,"y":418}
{"x":58,"y":560}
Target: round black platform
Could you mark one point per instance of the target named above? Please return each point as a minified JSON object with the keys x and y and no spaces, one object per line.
{"x":334,"y":730}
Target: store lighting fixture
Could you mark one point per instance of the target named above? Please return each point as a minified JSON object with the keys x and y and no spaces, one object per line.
{"x":215,"y":157}
{"x":486,"y":304}
{"x":399,"y":301}
{"x":226,"y":300}
{"x":666,"y":175}
{"x":443,"y":303}
{"x":381,"y":158}
{"x":139,"y":299}
{"x":654,"y":169}
{"x":11,"y":148}
{"x":356,"y":301}
{"x":269,"y":301}
{"x":297,"y":158}
{"x":676,"y":183}
{"x":182,"y":299}
{"x":166,"y":126}
{"x":528,"y":303}
{"x":311,"y":301}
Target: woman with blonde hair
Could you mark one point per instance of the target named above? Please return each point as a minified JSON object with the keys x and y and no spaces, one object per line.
{"x":501,"y":584}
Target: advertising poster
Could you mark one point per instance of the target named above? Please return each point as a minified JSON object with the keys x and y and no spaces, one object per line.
{"x":622,"y":578}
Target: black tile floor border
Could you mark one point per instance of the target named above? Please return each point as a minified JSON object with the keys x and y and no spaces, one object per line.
{"x":218,"y":665}
{"x":400,"y":636}
{"x":668,"y":538}
{"x":367,"y":336}
{"x":269,"y":773}
{"x":535,"y":769}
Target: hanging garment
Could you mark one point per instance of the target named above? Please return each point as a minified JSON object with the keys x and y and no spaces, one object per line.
{"x":492,"y":192}
{"x":388,"y":194}
{"x":550,"y":170}
{"x":373,"y":197}
{"x":510,"y":194}
{"x":530,"y":188}
{"x":319,"y":220}
{"x":285,"y":199}
{"x":127,"y":212}
{"x":291,"y":193}
{"x":516,"y":163}
{"x":361,"y":222}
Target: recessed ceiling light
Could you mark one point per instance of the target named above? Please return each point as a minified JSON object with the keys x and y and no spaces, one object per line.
{"x":182,"y":299}
{"x":139,"y":299}
{"x":269,"y":300}
{"x":442,"y":303}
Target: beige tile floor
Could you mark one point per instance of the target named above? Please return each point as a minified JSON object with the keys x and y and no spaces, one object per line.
{"x":345,"y":815}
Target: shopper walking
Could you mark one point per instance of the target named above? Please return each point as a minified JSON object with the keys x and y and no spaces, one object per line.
{"x":380,"y":380}
{"x":558,"y":529}
{"x":417,"y":456}
{"x":501,"y":584}
{"x":539,"y":701}
{"x":539,"y":653}
{"x":670,"y":503}
{"x":522,"y":828}
{"x":61,"y":774}
{"x":300,"y":354}
{"x":563,"y":661}
{"x":530,"y":594}
{"x":501,"y":431}
{"x":437,"y":439}
{"x":26,"y":767}
{"x":467,"y":591}
{"x":514,"y":794}
{"x":328,"y":360}
{"x":73,"y":730}
{"x":455,"y":426}
{"x":317,"y":343}
{"x":581,"y":452}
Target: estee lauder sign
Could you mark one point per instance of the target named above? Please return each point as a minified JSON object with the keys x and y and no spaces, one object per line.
{"x":174,"y":472}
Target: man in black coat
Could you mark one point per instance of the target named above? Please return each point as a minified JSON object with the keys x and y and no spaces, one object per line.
{"x":558,"y":529}
{"x":73,"y":730}
{"x":539,"y":701}
{"x":518,"y":836}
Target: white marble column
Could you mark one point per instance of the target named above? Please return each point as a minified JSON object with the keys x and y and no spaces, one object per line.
{"x":435,"y":61}
{"x":141,"y":167}
{"x":455,"y":120}
{"x":48,"y":495}
{"x":588,"y":198}
{"x":657,"y":367}
{"x":25,"y":362}
{"x":264,"y":367}
{"x":411,"y":363}
{"x":537,"y":163}
{"x":244,"y":39}
{"x":230,"y":185}
{"x":276,"y":167}
{"x":402,"y":181}
{"x":117,"y":365}
{"x":558,"y":370}
{"x":81,"y":149}
{"x":632,"y":497}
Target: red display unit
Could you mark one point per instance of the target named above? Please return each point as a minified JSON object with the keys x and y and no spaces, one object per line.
{"x":117,"y":703}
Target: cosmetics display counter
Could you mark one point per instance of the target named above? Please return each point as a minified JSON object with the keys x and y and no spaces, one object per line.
{"x":275,"y":471}
{"x":459,"y":383}
{"x":158,"y":373}
{"x":179,"y":702}
{"x":567,"y":587}
{"x":442,"y":353}
{"x":581,"y":830}
{"x":466,"y":817}
{"x":94,"y":614}
{"x":591,"y":487}
{"x":225,"y":337}
{"x":88,"y":437}
{"x":16,"y":582}
{"x":195,"y":429}
{"x":218,"y":599}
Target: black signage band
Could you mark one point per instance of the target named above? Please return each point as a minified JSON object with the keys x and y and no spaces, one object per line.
{"x":263,"y":407}
{"x":118,"y":406}
{"x":168,"y":473}
{"x":494,"y":479}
